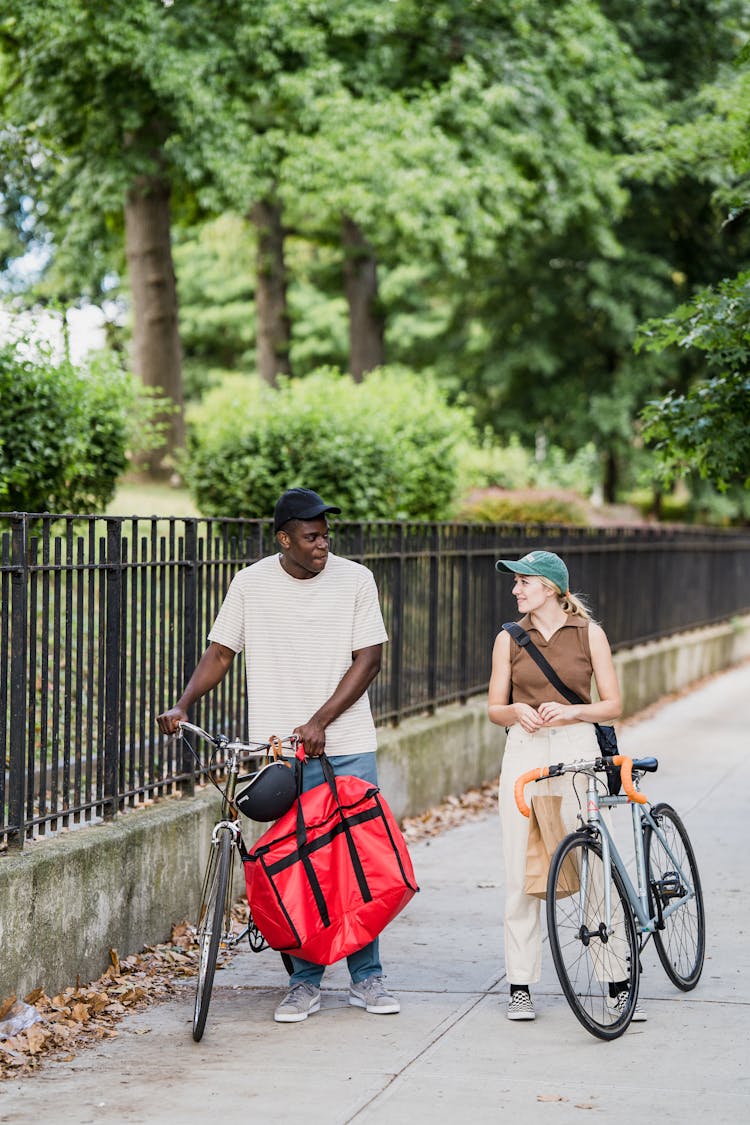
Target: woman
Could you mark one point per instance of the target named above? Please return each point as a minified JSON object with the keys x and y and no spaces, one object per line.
{"x":543,"y":728}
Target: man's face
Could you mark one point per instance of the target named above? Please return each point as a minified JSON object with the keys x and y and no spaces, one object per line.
{"x":304,"y":545}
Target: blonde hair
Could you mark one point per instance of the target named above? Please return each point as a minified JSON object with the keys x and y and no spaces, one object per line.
{"x":572,"y":604}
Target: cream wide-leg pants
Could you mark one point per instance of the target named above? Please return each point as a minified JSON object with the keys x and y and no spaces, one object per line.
{"x":523,"y":933}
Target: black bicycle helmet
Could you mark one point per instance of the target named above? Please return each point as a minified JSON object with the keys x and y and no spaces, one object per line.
{"x":270,"y":793}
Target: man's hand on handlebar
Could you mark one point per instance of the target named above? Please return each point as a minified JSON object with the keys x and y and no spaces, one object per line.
{"x":313,"y":737}
{"x":169,"y":721}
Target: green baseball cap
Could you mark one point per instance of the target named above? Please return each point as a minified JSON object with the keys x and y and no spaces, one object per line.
{"x":541,"y":564}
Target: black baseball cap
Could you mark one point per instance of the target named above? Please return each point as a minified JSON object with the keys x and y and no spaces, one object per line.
{"x":300,"y":504}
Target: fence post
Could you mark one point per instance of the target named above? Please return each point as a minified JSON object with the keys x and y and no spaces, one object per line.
{"x":112,"y":657}
{"x":397,"y":638}
{"x":463,"y":622}
{"x":19,"y":664}
{"x":189,"y":604}
{"x":433,"y":625}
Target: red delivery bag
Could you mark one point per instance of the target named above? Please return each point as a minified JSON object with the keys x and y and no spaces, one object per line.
{"x":330,"y":875}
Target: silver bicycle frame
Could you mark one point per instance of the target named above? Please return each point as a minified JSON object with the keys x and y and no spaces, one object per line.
{"x":611,"y":856}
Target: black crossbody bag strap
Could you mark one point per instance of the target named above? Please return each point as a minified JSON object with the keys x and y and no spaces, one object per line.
{"x":605,"y":734}
{"x":521,"y":637}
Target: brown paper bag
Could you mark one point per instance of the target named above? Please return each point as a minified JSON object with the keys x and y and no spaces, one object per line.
{"x":546,"y":830}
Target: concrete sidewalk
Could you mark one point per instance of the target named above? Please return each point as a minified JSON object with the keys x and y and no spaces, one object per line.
{"x":451,"y":1053}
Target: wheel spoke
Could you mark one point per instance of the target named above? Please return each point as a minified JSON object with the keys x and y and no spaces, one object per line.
{"x":592,"y":953}
{"x":673,"y":874}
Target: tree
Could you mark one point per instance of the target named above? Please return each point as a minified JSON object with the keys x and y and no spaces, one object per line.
{"x":266,"y":66}
{"x":702,"y":426}
{"x":271,"y":309}
{"x":99,"y":89}
{"x":215,"y":263}
{"x":707,"y":428}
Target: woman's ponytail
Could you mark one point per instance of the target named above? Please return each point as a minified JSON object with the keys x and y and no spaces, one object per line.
{"x":574,"y":605}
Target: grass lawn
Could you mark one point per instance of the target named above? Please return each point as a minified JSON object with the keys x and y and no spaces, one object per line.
{"x":142,"y":498}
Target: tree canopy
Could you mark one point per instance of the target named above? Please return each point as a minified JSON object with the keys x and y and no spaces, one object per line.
{"x":494,"y":194}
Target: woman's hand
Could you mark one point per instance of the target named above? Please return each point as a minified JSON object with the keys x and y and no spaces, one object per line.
{"x":529,"y":719}
{"x":558,"y":713}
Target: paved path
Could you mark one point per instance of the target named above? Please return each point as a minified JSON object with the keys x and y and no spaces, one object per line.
{"x":451,"y":1055}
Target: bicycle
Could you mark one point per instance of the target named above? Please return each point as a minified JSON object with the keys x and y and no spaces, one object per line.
{"x":597,"y":920}
{"x":214,"y":925}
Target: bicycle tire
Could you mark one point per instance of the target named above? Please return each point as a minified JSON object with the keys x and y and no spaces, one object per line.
{"x":587,"y":958}
{"x":211,"y":922}
{"x":681,"y":940}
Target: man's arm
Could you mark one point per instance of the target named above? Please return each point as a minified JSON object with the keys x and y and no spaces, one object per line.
{"x":210,"y":670}
{"x":354,"y":683}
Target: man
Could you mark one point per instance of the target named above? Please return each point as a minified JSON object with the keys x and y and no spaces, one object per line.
{"x":312,"y":632}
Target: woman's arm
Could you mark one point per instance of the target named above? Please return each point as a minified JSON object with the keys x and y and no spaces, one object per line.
{"x":500,"y":710}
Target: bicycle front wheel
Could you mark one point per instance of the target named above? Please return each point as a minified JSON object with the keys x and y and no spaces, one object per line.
{"x":211,"y":924}
{"x":680,"y":939}
{"x":596,"y":959}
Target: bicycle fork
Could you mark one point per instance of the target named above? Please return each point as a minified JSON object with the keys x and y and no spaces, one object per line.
{"x":604,"y":929}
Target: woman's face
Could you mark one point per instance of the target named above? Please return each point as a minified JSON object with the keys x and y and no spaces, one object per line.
{"x":530,"y":593}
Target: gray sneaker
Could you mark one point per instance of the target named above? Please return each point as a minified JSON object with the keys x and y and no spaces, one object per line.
{"x":300,"y":1002}
{"x":372,"y":995}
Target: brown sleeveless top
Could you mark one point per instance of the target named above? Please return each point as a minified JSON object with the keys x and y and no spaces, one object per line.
{"x":567,"y":651}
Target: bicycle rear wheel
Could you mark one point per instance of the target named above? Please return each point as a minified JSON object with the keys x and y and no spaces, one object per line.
{"x":597,"y":965}
{"x":211,"y":924}
{"x":681,"y":940}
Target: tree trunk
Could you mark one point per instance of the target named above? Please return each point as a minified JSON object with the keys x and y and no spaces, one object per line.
{"x":366,"y":323}
{"x":157,"y":356}
{"x":273,"y":330}
{"x":611,"y":477}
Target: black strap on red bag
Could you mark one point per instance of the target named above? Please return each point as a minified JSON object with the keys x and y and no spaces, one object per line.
{"x":303,"y":846}
{"x":605,"y":735}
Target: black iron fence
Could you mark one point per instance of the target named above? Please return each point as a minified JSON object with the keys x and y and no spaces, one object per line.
{"x":102,"y":621}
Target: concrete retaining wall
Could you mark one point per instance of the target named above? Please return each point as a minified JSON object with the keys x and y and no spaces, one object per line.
{"x":65,"y":902}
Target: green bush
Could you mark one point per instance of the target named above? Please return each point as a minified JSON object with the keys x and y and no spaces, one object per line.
{"x":64,"y":431}
{"x":543,"y":509}
{"x":381,"y":449}
{"x":698,"y":503}
{"x":513,"y":466}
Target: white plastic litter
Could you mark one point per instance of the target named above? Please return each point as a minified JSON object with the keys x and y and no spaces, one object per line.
{"x":18,"y":1018}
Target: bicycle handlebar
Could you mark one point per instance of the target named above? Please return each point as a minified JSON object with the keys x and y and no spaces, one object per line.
{"x":538,"y":774}
{"x":252,"y":749}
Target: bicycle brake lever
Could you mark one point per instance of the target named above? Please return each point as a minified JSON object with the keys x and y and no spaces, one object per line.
{"x":554,"y":771}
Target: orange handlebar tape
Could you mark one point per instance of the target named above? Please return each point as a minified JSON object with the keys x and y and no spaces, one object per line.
{"x":521,"y":783}
{"x":626,"y":773}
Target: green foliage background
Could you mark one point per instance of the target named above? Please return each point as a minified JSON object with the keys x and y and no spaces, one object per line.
{"x":386,"y":448}
{"x":65,"y":431}
{"x":535,"y":179}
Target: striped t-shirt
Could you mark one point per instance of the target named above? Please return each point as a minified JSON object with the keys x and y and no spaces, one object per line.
{"x":298,"y":636}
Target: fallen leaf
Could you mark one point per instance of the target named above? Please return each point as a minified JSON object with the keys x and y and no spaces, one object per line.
{"x":6,"y":1006}
{"x":36,"y":1037}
